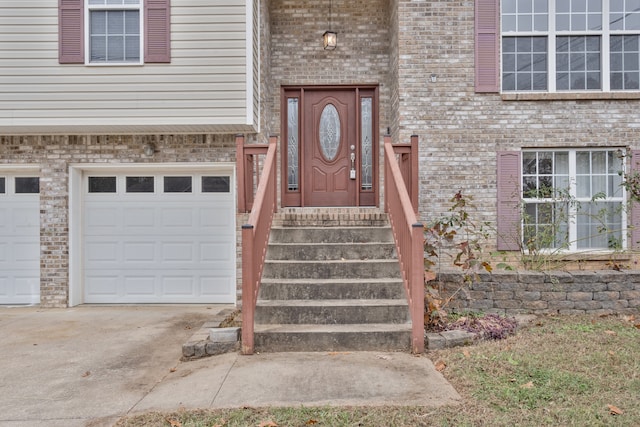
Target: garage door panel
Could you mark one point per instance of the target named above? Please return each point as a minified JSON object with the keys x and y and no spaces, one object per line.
{"x":26,"y":254}
{"x":144,"y":218}
{"x":102,"y":219}
{"x":102,"y":285}
{"x":182,"y":286}
{"x":26,"y":218}
{"x":26,"y":285}
{"x":139,"y":286}
{"x":101,"y":252}
{"x":211,"y":252}
{"x":159,"y":247}
{"x":139,"y":252}
{"x":219,"y":287}
{"x":221,"y":217}
{"x":4,"y":287}
{"x":173,"y":218}
{"x":178,"y":252}
{"x":19,"y":246}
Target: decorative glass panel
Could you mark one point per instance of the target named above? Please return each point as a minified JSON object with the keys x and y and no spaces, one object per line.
{"x":329,"y":132}
{"x":177,"y":184}
{"x":102,"y":184}
{"x":292,"y":144}
{"x":27,"y":185}
{"x":216,"y":184}
{"x":366,"y":144}
{"x":139,"y":184}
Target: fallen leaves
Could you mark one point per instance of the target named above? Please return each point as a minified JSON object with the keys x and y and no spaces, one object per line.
{"x":527,"y":385}
{"x":608,"y":332}
{"x":267,"y":424}
{"x":86,"y":374}
{"x":614,"y":410}
{"x":173,"y":423}
{"x":336,"y":353}
{"x":440,"y":365}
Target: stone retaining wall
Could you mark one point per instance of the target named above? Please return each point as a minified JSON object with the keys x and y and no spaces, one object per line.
{"x":558,"y":292}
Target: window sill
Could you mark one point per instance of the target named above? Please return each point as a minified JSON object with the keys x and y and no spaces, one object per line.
{"x":565,"y":96}
{"x":585,"y":256}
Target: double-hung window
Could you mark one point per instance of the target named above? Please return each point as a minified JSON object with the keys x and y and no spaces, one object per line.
{"x":573,"y":200}
{"x":114,"y":31}
{"x":570,"y":45}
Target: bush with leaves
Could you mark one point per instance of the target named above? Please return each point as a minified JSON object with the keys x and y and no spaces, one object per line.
{"x":457,"y":236}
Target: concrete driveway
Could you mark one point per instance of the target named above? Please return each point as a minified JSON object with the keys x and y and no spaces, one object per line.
{"x":90,"y":365}
{"x":87,"y":365}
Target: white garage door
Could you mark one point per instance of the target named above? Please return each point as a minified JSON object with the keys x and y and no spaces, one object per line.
{"x":19,"y":239}
{"x":159,"y":238}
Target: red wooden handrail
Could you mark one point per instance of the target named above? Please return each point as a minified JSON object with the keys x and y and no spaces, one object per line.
{"x":407,"y":231}
{"x":255,"y":233}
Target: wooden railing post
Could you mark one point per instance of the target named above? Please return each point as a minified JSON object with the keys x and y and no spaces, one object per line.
{"x":248,"y":291}
{"x":414,"y":174}
{"x":417,"y":288}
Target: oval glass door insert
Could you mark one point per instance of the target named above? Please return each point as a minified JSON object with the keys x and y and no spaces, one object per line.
{"x":329,"y":132}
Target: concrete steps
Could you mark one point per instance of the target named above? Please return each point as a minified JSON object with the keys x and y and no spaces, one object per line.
{"x":333,"y":287}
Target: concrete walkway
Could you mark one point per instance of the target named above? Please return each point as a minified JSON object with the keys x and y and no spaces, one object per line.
{"x":90,"y":365}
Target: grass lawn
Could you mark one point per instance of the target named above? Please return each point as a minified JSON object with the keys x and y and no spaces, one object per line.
{"x":557,"y":371}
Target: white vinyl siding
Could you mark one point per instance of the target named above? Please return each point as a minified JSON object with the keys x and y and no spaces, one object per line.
{"x":205,"y":88}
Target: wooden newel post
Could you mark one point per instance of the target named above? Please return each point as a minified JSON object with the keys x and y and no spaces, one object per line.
{"x":248,"y":291}
{"x":417,"y":288}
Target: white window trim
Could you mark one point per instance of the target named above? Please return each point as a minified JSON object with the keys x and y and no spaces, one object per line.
{"x":572,"y":223}
{"x":551,"y":35}
{"x":87,"y":32}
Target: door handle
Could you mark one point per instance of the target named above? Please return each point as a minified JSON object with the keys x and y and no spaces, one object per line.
{"x":352,"y":172}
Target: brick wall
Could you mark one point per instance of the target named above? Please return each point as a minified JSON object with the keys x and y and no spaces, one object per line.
{"x":54,"y":154}
{"x":460,"y":131}
{"x":575,"y":292}
{"x":298,"y":58}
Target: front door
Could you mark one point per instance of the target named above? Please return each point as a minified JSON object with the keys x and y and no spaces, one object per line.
{"x":330,"y":147}
{"x":329,"y":139}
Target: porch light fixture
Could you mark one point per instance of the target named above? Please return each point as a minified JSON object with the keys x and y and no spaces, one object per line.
{"x":330,"y":40}
{"x":149,"y":150}
{"x":330,"y":37}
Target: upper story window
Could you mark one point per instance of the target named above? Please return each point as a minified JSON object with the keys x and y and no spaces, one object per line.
{"x":570,"y":45}
{"x":114,"y":31}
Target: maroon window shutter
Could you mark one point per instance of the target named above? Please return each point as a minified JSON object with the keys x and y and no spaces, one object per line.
{"x":508,"y":201}
{"x":70,"y":31}
{"x":635,"y":206}
{"x":487,"y":46}
{"x":157,"y":29}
